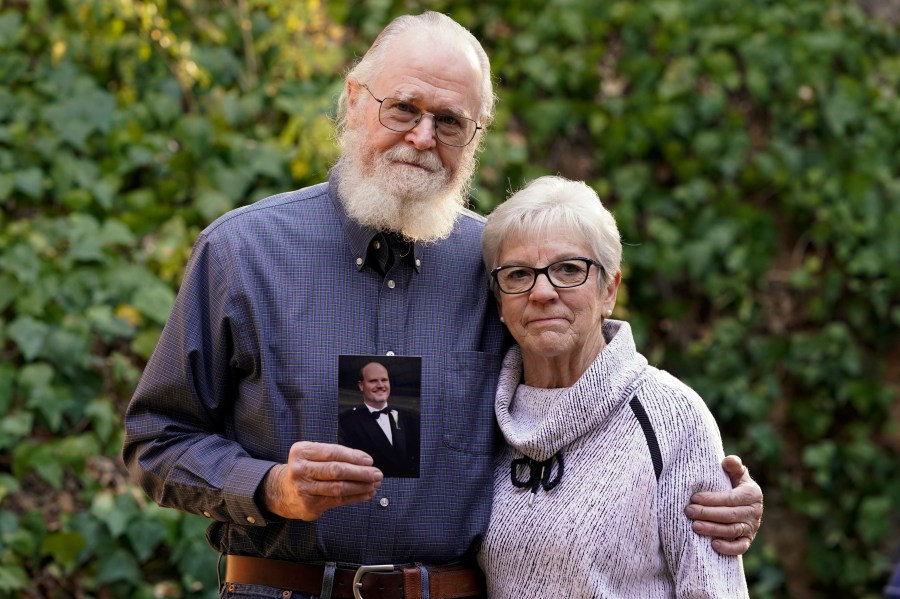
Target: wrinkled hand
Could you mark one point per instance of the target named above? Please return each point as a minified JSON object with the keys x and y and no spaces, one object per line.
{"x":318,"y":477}
{"x":733,"y":517}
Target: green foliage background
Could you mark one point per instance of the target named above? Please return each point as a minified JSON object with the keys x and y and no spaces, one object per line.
{"x":750,"y":151}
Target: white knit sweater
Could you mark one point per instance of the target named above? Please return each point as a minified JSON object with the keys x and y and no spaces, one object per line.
{"x":608,"y":529}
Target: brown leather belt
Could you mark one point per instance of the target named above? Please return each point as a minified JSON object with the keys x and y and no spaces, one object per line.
{"x":444,"y":582}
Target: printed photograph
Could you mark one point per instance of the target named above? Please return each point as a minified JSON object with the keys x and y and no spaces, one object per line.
{"x":379,"y":400}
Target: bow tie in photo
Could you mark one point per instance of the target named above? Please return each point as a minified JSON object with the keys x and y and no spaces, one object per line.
{"x":377,"y":413}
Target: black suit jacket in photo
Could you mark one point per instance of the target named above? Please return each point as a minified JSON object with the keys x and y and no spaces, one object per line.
{"x":359,"y":430}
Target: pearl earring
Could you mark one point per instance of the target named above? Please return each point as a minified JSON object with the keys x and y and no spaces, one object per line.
{"x":609,"y":313}
{"x":501,"y":319}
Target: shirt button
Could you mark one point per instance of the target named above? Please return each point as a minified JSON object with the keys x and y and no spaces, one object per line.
{"x":251,"y":519}
{"x":418,"y":262}
{"x":391,"y":284}
{"x":359,"y":261}
{"x":384,"y":502}
{"x":207,"y":514}
{"x":390,"y":353}
{"x":376,"y":245}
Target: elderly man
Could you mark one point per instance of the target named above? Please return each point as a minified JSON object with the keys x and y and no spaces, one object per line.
{"x":235,"y":416}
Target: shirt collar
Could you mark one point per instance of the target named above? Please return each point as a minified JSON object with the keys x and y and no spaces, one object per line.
{"x":359,"y":237}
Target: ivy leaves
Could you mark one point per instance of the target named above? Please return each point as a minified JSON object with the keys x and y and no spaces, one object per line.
{"x":748,"y":149}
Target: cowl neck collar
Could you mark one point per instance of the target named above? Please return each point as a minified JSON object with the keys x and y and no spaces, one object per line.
{"x":539,"y":422}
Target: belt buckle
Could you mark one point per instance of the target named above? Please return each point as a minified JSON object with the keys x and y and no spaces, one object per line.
{"x":362,"y":571}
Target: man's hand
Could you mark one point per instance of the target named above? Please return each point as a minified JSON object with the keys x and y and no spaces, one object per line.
{"x":318,"y":477}
{"x":732,"y":517}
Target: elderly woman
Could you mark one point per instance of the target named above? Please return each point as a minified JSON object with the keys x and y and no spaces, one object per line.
{"x":603,"y":450}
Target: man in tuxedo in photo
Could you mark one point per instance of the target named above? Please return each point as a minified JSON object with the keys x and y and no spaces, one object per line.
{"x":389,"y":434}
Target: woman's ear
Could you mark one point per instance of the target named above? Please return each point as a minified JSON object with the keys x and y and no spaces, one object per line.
{"x":612,"y":289}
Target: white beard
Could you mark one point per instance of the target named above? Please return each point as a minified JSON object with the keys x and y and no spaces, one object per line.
{"x":421,"y":204}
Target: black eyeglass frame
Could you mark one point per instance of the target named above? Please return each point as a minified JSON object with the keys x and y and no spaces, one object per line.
{"x":422,"y":113}
{"x":546,"y":272}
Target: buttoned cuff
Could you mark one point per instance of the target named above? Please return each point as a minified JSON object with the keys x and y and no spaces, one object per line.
{"x":240,"y":492}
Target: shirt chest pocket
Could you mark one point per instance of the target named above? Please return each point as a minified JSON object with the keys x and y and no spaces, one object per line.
{"x":469,"y":385}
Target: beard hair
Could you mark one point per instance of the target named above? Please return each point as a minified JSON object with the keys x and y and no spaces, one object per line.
{"x":422,"y":205}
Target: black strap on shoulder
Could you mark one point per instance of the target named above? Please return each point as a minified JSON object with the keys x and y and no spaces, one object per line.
{"x":652,"y":444}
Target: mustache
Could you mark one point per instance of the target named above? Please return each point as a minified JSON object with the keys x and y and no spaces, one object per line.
{"x":426,"y":160}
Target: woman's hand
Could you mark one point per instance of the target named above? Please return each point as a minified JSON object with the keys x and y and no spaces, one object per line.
{"x":733,"y":517}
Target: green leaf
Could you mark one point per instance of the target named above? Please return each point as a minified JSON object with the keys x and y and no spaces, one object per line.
{"x":7,"y":291}
{"x":164,"y":107}
{"x":873,"y":513}
{"x":190,"y":550}
{"x":145,"y":535}
{"x":116,"y":511}
{"x":117,"y":566}
{"x":11,"y":30}
{"x":29,"y":334}
{"x":75,"y":450}
{"x":104,"y":417}
{"x":104,"y":191}
{"x":40,"y":458}
{"x":67,"y":349}
{"x":63,"y":547}
{"x":145,"y":342}
{"x":87,"y":109}
{"x":30,"y":181}
{"x":7,"y":381}
{"x":212,"y":203}
{"x":41,"y":395}
{"x":154,"y":301}
{"x":844,"y":105}
{"x":7,"y":181}
{"x":8,"y":484}
{"x":12,"y":578}
{"x":14,"y":427}
{"x":758,"y":83}
{"x":115,"y":232}
{"x":630,"y":181}
{"x":106,"y":323}
{"x":83,"y":231}
{"x":91,"y":531}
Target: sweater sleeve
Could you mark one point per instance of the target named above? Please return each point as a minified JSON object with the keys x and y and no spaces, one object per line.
{"x":692,"y":456}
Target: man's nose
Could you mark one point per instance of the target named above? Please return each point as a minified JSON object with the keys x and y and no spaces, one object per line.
{"x":422,"y":136}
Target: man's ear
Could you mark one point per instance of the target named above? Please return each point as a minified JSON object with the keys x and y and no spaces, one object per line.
{"x":354,"y":97}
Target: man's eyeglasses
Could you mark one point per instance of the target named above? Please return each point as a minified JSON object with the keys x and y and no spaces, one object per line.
{"x":449,"y":129}
{"x":562,"y":274}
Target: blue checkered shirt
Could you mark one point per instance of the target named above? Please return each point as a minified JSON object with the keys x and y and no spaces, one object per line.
{"x":248,"y":364}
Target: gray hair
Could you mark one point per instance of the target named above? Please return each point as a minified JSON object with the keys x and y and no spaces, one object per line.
{"x":433,"y":22}
{"x":554,"y":205}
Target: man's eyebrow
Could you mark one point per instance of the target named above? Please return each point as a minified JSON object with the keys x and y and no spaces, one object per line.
{"x":417,"y":100}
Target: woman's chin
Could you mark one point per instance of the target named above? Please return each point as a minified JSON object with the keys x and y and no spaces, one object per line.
{"x":548,"y":345}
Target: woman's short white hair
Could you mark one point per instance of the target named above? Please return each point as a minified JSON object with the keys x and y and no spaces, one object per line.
{"x":557,"y":206}
{"x":439,"y":25}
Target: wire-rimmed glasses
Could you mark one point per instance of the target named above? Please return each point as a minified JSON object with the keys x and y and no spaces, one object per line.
{"x":401,"y":116}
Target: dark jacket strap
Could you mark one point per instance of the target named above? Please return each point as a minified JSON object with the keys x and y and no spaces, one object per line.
{"x":652,"y":444}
